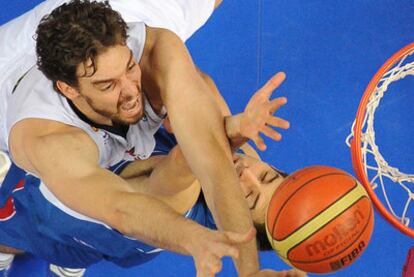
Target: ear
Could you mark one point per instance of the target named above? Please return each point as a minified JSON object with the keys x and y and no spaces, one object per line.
{"x":67,"y":90}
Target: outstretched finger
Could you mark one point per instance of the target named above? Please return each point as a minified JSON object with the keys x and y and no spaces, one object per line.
{"x":258,"y":141}
{"x":278,"y":122}
{"x":273,"y":83}
{"x":270,"y":133}
{"x":276,"y":103}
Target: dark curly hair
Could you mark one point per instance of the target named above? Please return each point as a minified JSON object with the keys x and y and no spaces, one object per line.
{"x":263,"y":243}
{"x":75,"y":33}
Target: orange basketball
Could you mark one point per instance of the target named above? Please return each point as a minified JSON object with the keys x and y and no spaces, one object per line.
{"x":319,"y":219}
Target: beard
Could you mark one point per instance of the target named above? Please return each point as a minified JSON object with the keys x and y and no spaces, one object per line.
{"x":118,"y":116}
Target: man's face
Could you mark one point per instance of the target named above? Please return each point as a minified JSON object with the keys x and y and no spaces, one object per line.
{"x":258,"y":181}
{"x":114,"y":90}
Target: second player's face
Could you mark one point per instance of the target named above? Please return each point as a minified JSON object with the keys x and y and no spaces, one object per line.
{"x":114,"y":89}
{"x":258,"y":181}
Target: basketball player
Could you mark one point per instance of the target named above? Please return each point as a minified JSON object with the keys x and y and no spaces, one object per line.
{"x":66,"y":144}
{"x":167,"y":177}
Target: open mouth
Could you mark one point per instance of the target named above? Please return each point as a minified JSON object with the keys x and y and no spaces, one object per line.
{"x":131,"y":108}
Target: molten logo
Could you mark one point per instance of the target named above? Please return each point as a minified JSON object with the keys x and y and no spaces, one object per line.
{"x":338,"y":234}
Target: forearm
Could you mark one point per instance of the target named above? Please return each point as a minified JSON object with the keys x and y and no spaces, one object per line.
{"x":211,"y":162}
{"x":133,"y":214}
{"x":231,"y":122}
{"x":229,"y":208}
{"x":155,"y":224}
{"x":232,"y":127}
{"x":174,"y":170}
{"x":200,"y":133}
{"x":150,"y":176}
{"x":77,"y":180}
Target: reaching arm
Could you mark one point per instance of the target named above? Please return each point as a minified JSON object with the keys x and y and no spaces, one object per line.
{"x":199,"y":127}
{"x":76,"y":179}
{"x":235,"y":139}
{"x":255,"y":119}
{"x":258,"y":116}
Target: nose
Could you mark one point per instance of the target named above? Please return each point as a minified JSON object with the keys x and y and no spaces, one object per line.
{"x":249,"y":181}
{"x":129,"y":88}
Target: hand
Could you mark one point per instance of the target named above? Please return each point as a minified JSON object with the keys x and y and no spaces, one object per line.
{"x":258,"y":115}
{"x":285,"y":273}
{"x":208,"y":247}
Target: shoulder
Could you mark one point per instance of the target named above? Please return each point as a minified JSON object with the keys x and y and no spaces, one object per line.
{"x":33,"y":142}
{"x":38,"y":130}
{"x":160,"y":43}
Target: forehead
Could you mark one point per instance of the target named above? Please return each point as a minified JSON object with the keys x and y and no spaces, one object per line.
{"x":251,"y":161}
{"x":261,"y":165}
{"x":266,"y":193}
{"x":108,"y":63}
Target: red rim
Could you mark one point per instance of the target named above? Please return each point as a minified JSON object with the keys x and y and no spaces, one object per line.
{"x":356,"y":141}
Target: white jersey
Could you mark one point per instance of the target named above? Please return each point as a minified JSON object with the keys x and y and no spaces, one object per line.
{"x":34,"y":97}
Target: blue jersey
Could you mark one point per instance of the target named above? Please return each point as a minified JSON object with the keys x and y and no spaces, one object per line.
{"x":30,"y":222}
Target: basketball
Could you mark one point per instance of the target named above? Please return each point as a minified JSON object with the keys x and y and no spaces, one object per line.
{"x":319,"y":219}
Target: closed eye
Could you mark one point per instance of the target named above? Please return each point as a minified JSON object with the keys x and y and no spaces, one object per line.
{"x":273,"y":178}
{"x":263,"y":176}
{"x":250,"y":193}
{"x":266,"y":177}
{"x":255,"y":202}
{"x":132,"y":66}
{"x":107,"y":87}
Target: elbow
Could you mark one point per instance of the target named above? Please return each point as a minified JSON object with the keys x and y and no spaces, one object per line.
{"x":120,"y":221}
{"x":119,"y":217}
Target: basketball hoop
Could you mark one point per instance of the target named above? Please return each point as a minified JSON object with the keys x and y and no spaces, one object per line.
{"x":370,"y":166}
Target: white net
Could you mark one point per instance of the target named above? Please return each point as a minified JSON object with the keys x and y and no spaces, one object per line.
{"x":379,"y":172}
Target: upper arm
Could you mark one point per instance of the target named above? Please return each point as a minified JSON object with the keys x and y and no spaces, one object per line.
{"x":66,"y":160}
{"x":169,"y":69}
{"x":189,"y":102}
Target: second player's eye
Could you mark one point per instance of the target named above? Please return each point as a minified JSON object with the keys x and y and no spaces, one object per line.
{"x":132,"y":66}
{"x":107,"y":87}
{"x":263,"y":176}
